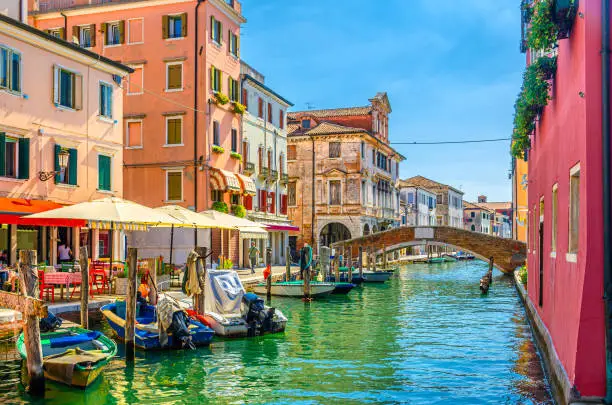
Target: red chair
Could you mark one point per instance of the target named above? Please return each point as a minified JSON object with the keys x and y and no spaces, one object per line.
{"x":45,"y":288}
{"x":97,"y":275}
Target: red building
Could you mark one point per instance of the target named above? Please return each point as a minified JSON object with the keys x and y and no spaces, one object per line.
{"x":566,"y":230}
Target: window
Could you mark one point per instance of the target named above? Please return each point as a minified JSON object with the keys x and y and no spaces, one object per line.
{"x":216,"y":133}
{"x":174,"y":185}
{"x":216,"y":195}
{"x":291,"y":152}
{"x":574,"y":210}
{"x":10,"y":70}
{"x":270,"y":113}
{"x":174,"y":26}
{"x":232,"y":89}
{"x":174,"y":131}
{"x":57,"y":32}
{"x":473,"y":228}
{"x":114,"y":33}
{"x":245,"y":98}
{"x":260,"y":158}
{"x":136,"y":81}
{"x":306,"y":124}
{"x":553,"y":224}
{"x":334,"y":149}
{"x":374,"y":194}
{"x":235,"y":199}
{"x":104,"y":173}
{"x":335,"y":197}
{"x":136,"y":31}
{"x":245,"y":151}
{"x":133,"y":134}
{"x":69,"y":174}
{"x":234,"y":44}
{"x":14,"y":157}
{"x":363,"y":150}
{"x":472,"y":214}
{"x":106,"y":100}
{"x":364,"y":193}
{"x":260,"y":107}
{"x":281,"y":119}
{"x":174,"y":76}
{"x":215,"y":79}
{"x":216,"y":30}
{"x":270,"y":159}
{"x":84,"y":35}
{"x":234,"y":140}
{"x":291,"y":193}
{"x":67,"y":88}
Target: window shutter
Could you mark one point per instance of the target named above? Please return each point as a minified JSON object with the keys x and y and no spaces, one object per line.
{"x":2,"y":154}
{"x":103,"y":28}
{"x":284,"y":204}
{"x":220,"y":32}
{"x":165,"y":26}
{"x":57,"y":167}
{"x":229,"y":40}
{"x":122,"y":32}
{"x":104,"y":171}
{"x":55,"y":85}
{"x":78,"y":92}
{"x":72,"y":167}
{"x":212,"y":27}
{"x":75,"y":35}
{"x":248,"y":202}
{"x":62,"y":32}
{"x":24,"y":159}
{"x":212,"y":77}
{"x":272,"y":208}
{"x":238,"y":45}
{"x":184,"y":24}
{"x":220,"y":80}
{"x":264,"y":200}
{"x":92,"y":30}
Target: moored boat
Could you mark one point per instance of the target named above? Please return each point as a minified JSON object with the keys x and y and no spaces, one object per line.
{"x":343,"y":288}
{"x":295,"y":288}
{"x":73,"y":356}
{"x":376,"y":276}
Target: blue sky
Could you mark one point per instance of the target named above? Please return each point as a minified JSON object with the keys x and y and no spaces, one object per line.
{"x":451,"y":68}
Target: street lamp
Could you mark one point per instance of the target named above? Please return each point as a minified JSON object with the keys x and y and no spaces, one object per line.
{"x":63,"y":156}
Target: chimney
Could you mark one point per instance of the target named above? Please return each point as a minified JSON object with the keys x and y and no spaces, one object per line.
{"x":482,"y":198}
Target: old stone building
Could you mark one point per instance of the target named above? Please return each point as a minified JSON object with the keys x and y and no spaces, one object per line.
{"x":342,"y":173}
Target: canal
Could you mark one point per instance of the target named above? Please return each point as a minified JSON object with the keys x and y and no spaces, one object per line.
{"x":425,"y":337}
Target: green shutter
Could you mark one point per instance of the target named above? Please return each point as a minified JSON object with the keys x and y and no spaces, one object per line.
{"x":104,"y":173}
{"x":23,"y":171}
{"x":72,"y":167}
{"x":57,"y":167}
{"x":2,"y":154}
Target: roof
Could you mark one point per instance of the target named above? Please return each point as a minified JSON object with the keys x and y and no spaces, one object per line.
{"x":69,"y":45}
{"x":332,"y":112}
{"x":474,"y":206}
{"x":406,"y":184}
{"x":430,"y":184}
{"x":499,"y":205}
{"x":328,"y":128}
{"x":267,"y":89}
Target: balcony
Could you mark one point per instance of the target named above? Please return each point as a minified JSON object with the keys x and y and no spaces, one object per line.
{"x":264,"y":171}
{"x":249,"y":168}
{"x":284,"y":178}
{"x":273,"y":175}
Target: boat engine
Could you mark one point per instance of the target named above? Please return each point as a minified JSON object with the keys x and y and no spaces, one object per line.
{"x":257,"y":317}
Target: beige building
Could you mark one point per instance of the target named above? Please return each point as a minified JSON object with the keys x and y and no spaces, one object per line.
{"x":449,"y":201}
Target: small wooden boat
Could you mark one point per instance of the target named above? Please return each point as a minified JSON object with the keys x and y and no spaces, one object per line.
{"x":376,"y":276}
{"x":436,"y":260}
{"x":146,"y":334}
{"x":295,"y":288}
{"x":73,"y":356}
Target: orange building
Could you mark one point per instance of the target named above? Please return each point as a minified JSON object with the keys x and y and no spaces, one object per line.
{"x":180,"y":123}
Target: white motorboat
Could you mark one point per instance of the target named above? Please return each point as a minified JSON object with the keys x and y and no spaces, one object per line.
{"x":295,"y":288}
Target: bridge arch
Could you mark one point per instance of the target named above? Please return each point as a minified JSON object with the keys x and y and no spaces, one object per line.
{"x":333,"y":232}
{"x":507,"y":254}
{"x":366,"y":229}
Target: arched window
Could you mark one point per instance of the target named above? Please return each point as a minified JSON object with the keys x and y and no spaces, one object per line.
{"x":473,"y":228}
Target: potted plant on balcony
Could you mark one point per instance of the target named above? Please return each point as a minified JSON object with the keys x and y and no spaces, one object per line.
{"x":220,"y":98}
{"x":218,"y":149}
{"x":236,"y":155}
{"x":220,"y":206}
{"x":239,"y":210}
{"x":543,"y":31}
{"x":238,"y":108}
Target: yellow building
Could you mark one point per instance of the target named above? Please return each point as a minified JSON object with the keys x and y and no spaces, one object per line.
{"x":519,"y":200}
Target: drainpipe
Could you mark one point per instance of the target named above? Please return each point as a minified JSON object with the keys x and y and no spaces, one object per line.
{"x":195,"y":119}
{"x":65,"y":26}
{"x":312,"y":219}
{"x":607,"y":218}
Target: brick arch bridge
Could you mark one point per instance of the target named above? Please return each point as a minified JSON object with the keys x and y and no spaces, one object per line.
{"x":507,"y":253}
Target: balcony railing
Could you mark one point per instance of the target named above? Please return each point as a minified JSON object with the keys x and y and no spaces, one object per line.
{"x":263,"y":171}
{"x":249,"y":168}
{"x":273,"y":175}
{"x":284,"y":178}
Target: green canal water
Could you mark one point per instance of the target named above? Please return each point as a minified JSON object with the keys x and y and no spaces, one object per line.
{"x":425,"y":337}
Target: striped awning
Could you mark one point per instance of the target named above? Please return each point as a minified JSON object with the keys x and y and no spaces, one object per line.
{"x":248,"y":185}
{"x":223,"y":180}
{"x":253,"y":233}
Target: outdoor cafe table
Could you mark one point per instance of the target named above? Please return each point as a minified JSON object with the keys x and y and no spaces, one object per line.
{"x":63,"y":279}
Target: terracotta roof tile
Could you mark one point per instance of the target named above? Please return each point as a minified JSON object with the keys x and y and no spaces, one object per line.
{"x":332,"y":112}
{"x":430,"y":184}
{"x":327,"y":128}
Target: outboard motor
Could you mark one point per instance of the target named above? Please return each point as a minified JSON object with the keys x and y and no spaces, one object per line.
{"x":180,"y":331}
{"x":257,"y":317}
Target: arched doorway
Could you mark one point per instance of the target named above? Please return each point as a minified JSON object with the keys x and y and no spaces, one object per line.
{"x":366,"y":230}
{"x":334,"y":232}
{"x":374,"y":229}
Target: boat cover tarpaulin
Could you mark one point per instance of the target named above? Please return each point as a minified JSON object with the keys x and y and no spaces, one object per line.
{"x":223,"y":292}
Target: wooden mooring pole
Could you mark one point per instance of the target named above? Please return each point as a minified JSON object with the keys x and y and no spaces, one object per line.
{"x":83,"y":262}
{"x":269,"y":279}
{"x":31,"y":329}
{"x":130,"y":305}
{"x":385,"y":257}
{"x":153,"y":282}
{"x":199,"y":298}
{"x":360,"y":262}
{"x":349,"y":265}
{"x":287,"y":263}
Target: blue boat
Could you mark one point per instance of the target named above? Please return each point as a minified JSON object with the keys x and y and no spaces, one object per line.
{"x":146,"y":335}
{"x":343,"y":288}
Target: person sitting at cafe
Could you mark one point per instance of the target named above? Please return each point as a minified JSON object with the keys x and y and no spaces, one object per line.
{"x":64,"y":253}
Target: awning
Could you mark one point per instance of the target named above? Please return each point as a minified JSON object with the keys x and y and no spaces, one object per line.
{"x":12,"y":211}
{"x":253,"y":233}
{"x":248,"y":185}
{"x":223,"y":180}
{"x":277,"y":228}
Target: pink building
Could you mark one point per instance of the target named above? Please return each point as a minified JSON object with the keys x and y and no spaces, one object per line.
{"x":182,"y":132}
{"x":61,"y":141}
{"x":565,"y":226}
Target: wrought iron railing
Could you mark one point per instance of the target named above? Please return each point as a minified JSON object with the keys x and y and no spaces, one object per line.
{"x":284,"y":178}
{"x":249,"y":168}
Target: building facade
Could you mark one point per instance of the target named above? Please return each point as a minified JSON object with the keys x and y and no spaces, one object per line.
{"x":478,"y":218}
{"x":182,"y":121}
{"x":264,"y":152}
{"x":449,"y":201}
{"x":61,"y":138}
{"x":565,"y":201}
{"x":419,"y":203}
{"x":519,"y":199}
{"x":502,"y":225}
{"x":342,"y":173}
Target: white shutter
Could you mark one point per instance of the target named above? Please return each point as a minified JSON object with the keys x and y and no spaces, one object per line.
{"x":78,"y":92}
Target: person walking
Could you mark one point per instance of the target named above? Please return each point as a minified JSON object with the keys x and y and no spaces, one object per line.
{"x":253,"y":255}
{"x":305,"y":259}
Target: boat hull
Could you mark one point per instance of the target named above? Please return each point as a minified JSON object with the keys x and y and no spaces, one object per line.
{"x":342,"y":288}
{"x":238,"y":327}
{"x":295,"y":290}
{"x":376,"y":276}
